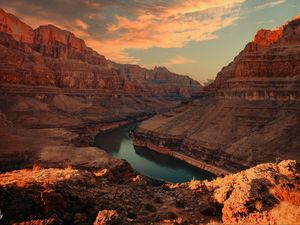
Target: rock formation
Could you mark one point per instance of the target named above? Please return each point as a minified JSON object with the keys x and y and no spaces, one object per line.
{"x":263,"y":194}
{"x":17,"y":29}
{"x":54,"y":57}
{"x":268,"y":67}
{"x":250,"y":113}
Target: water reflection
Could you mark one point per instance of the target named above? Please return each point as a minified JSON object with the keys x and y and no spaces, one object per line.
{"x":147,"y":162}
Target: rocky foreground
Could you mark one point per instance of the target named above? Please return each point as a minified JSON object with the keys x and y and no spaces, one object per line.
{"x":251,"y":113}
{"x":266,"y":194}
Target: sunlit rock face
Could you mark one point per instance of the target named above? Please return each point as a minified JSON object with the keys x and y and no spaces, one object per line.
{"x":54,"y":42}
{"x":16,"y":28}
{"x":264,"y":194}
{"x":259,"y":195}
{"x":268,"y":67}
{"x":55,"y":57}
{"x":265,"y":38}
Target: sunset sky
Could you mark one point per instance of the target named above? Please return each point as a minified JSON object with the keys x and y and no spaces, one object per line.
{"x":192,"y":37}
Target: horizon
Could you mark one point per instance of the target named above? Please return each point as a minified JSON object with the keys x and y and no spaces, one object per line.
{"x":119,"y":31}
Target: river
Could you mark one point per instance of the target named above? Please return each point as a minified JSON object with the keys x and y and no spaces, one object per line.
{"x":150,"y":163}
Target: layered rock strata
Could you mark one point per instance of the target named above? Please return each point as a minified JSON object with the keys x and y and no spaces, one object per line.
{"x":268,"y":67}
{"x":228,"y":134}
{"x":49,"y":56}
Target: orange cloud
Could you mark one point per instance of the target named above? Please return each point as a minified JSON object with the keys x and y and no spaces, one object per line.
{"x":178,"y":60}
{"x":81,"y":24}
{"x":146,"y":23}
{"x":170,"y":27}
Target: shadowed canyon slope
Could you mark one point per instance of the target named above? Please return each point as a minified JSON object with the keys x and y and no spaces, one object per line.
{"x":251,"y":114}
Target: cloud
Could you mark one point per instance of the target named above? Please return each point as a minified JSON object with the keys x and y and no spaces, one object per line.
{"x":81,"y":24}
{"x":172,"y":27}
{"x":270,"y":4}
{"x":111,"y":51}
{"x":265,"y":5}
{"x":112,"y":27}
{"x":178,"y":60}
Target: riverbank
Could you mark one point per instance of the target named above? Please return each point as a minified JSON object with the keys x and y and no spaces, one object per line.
{"x":200,"y":164}
{"x":55,"y":146}
{"x":195,"y":162}
{"x":87,"y":133}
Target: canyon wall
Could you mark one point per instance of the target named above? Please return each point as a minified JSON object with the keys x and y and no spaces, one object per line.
{"x":268,"y":67}
{"x":250,"y":113}
{"x":49,"y":56}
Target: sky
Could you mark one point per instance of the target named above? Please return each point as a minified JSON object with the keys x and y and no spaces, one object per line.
{"x":189,"y":37}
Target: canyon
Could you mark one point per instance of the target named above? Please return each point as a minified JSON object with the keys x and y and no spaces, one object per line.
{"x":250,"y":115}
{"x":56,"y":94}
{"x":53,"y":87}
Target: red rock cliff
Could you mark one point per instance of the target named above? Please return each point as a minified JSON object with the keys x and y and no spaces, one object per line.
{"x":51,"y":56}
{"x":271,"y":61}
{"x":15,"y":27}
{"x":265,"y":38}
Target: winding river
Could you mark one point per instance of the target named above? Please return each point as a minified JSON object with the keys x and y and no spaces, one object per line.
{"x":150,"y":163}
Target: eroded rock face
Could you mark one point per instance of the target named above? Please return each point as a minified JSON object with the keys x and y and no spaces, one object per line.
{"x":158,"y":81}
{"x":259,"y":195}
{"x":265,"y":38}
{"x":107,"y":217}
{"x":228,"y":134}
{"x":268,"y":67}
{"x":55,"y":57}
{"x":16,"y":28}
{"x":56,"y":43}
